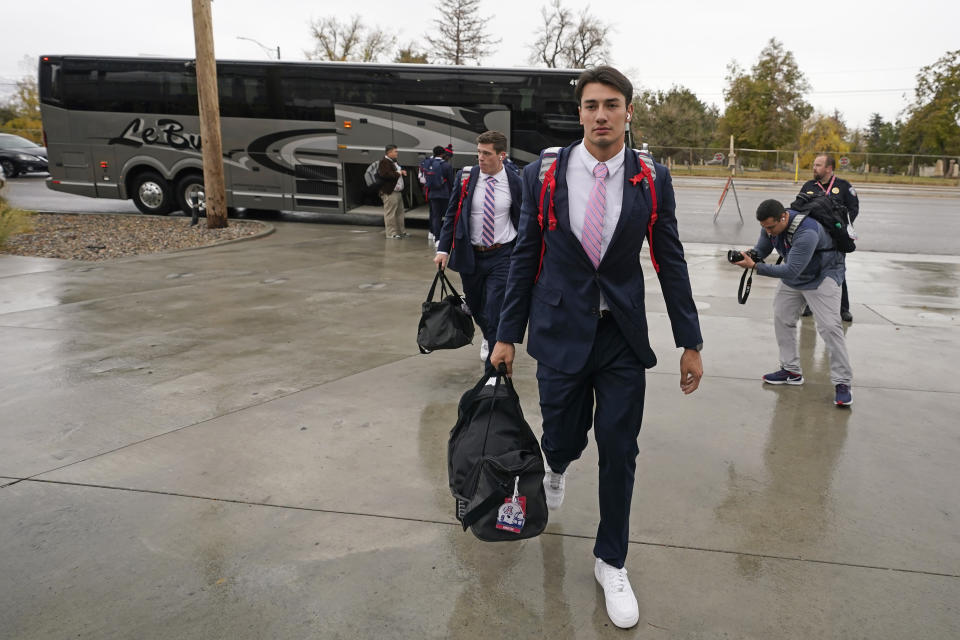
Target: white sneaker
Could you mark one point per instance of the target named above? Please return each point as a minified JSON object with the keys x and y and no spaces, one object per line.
{"x":430,"y":237}
{"x":553,"y":485}
{"x":484,"y":350}
{"x":621,"y":603}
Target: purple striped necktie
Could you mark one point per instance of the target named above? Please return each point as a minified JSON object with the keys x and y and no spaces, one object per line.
{"x":488,"y":211}
{"x":592,"y":235}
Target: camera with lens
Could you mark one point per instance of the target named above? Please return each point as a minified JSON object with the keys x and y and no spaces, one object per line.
{"x":735,"y":256}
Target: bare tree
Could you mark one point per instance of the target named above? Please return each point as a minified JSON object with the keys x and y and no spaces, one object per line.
{"x":351,"y":40}
{"x":461,"y":32}
{"x":573,"y":41}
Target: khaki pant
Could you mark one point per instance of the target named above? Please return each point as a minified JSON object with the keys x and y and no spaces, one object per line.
{"x":824,"y":301}
{"x":393,"y":213}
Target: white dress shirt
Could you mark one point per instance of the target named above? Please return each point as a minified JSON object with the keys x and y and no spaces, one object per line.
{"x":579,"y":185}
{"x":580,"y":181}
{"x":503,"y":230}
{"x":397,"y":168}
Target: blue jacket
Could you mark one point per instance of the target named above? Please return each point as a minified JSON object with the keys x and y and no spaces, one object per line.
{"x":461,"y":256}
{"x":560,"y":311}
{"x":806,"y":262}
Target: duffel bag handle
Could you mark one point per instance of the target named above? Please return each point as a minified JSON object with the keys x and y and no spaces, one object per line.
{"x":445,"y":284}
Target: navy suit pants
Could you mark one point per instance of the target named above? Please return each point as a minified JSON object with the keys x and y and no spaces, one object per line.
{"x":615,"y":377}
{"x":484,"y":289}
{"x":438,"y":207}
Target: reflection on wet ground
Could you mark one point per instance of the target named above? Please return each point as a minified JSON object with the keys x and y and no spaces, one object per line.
{"x":244,"y":442}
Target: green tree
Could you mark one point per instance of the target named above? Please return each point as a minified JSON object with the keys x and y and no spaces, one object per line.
{"x":883,"y":137}
{"x":410,"y":55}
{"x":675,"y":118}
{"x":765,"y":107}
{"x":461,"y":35}
{"x":823,"y":133}
{"x":21,"y":114}
{"x":26,"y":98}
{"x":348,"y":41}
{"x":933,"y":125}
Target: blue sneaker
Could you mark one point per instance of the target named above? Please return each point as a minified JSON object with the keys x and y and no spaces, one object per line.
{"x":844,"y":397}
{"x":783,"y":377}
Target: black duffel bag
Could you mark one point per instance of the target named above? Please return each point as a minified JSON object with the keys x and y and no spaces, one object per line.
{"x":495,"y":465}
{"x":443,"y":324}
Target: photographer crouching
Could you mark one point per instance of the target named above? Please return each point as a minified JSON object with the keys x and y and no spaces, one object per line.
{"x":811,"y":273}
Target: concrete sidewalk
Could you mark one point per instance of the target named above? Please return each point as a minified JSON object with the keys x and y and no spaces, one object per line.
{"x":243,"y":442}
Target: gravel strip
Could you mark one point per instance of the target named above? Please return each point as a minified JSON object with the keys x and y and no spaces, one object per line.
{"x":104,"y":237}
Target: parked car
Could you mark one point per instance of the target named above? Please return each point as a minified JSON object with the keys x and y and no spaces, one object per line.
{"x":19,"y":155}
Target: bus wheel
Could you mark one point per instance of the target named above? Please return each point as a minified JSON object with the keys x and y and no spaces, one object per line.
{"x":188,"y":188}
{"x":151,"y":194}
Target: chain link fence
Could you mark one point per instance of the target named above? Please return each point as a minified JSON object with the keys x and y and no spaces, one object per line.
{"x":783,"y":164}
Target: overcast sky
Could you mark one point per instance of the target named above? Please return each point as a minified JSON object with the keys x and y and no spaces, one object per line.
{"x":859,"y":56}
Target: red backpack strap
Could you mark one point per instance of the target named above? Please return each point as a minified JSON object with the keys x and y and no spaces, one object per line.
{"x":464,"y":182}
{"x":548,"y":184}
{"x":648,"y":176}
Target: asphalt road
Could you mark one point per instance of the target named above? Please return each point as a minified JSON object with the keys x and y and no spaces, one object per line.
{"x":894,"y":219}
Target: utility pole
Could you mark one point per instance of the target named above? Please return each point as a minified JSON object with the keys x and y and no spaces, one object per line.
{"x":213,"y":182}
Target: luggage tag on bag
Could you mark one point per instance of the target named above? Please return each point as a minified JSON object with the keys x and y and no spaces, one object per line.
{"x":512,"y":513}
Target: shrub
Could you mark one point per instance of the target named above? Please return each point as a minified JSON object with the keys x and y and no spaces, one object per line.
{"x":12,"y":221}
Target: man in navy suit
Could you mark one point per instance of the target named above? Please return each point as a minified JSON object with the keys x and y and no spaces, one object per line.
{"x":583,"y":309}
{"x":479,"y":231}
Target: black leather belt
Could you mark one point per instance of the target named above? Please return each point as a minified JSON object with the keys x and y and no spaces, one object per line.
{"x":482,"y":249}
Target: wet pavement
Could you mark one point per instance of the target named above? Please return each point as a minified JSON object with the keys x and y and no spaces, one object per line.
{"x":243,"y":442}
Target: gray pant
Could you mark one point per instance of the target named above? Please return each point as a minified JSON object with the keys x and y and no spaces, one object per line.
{"x":824,"y":302}
{"x":393,"y":213}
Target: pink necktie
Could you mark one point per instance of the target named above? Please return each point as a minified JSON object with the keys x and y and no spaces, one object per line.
{"x":488,"y":211}
{"x":592,"y":234}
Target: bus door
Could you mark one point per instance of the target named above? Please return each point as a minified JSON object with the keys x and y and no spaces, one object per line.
{"x":362,"y":133}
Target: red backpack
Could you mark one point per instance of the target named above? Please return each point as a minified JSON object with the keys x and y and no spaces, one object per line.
{"x":464,"y":181}
{"x":548,"y":184}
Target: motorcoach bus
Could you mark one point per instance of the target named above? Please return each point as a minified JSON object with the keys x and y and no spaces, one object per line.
{"x":297,"y":136}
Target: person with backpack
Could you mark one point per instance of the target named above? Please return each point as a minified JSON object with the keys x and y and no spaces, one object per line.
{"x":576,"y":288}
{"x":826,"y":184}
{"x":436,"y":176}
{"x":812,"y":272}
{"x":479,"y":230}
{"x":391,"y":176}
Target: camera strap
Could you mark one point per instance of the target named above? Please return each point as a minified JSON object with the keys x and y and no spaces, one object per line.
{"x":744,"y":291}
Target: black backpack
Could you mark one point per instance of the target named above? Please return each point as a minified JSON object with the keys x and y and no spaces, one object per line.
{"x":831,"y":214}
{"x":371,"y":176}
{"x":495,"y":465}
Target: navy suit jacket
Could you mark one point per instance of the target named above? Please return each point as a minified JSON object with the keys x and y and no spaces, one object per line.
{"x":562,"y":307}
{"x":461,"y":256}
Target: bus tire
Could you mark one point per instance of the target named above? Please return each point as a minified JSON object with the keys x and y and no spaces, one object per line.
{"x":186,"y":186}
{"x":151,"y":193}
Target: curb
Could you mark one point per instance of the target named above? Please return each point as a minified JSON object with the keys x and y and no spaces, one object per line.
{"x":269,"y":229}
